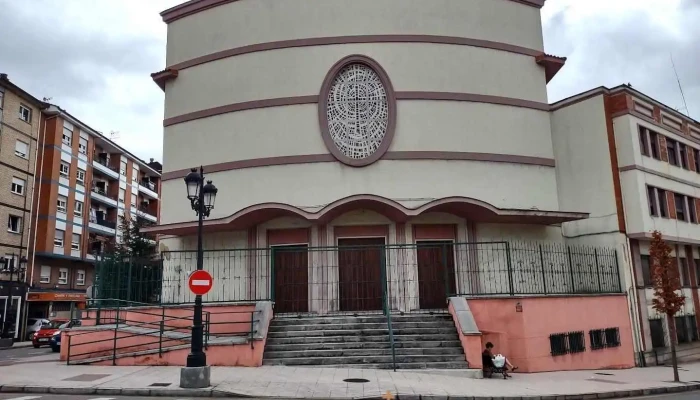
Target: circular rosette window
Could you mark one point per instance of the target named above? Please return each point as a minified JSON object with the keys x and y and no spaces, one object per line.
{"x":357,"y":111}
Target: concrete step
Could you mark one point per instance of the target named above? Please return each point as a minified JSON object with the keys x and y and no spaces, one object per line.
{"x":363,"y":360}
{"x":363,"y":332}
{"x":342,"y":319}
{"x":401,"y":351}
{"x":363,"y":326}
{"x":360,"y":345}
{"x":360,"y":339}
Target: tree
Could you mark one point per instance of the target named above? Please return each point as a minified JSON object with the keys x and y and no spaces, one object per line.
{"x":134,"y":243}
{"x":668,"y":298}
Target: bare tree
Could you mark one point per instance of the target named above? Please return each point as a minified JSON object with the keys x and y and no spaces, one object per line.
{"x":668,"y":298}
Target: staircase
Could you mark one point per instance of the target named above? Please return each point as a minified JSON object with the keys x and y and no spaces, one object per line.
{"x":421,"y":341}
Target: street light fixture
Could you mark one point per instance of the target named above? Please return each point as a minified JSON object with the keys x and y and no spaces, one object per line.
{"x":202,"y":198}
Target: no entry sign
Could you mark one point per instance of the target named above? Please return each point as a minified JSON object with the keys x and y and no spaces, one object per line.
{"x":201,"y":282}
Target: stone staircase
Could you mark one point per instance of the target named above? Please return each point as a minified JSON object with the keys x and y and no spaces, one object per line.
{"x":421,"y":341}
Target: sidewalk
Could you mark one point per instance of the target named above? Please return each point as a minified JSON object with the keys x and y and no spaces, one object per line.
{"x":17,"y":345}
{"x":326,"y":383}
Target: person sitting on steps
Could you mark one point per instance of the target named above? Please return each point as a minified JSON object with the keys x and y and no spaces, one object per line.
{"x":487,"y":359}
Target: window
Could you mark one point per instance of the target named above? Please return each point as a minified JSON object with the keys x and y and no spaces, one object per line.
{"x":67,"y":138}
{"x":45,"y":274}
{"x":646,"y":270}
{"x":565,"y":343}
{"x":63,"y":276}
{"x":61,"y":204}
{"x":680,"y":206}
{"x":80,"y":279}
{"x":671,"y":147}
{"x":81,"y":176}
{"x":122,"y":167}
{"x":658,"y":338}
{"x":58,"y":238}
{"x":683,"y":155}
{"x":78,"y":210}
{"x":25,"y":114}
{"x":82,"y":146}
{"x":122,"y":195}
{"x":682,"y":330}
{"x":14,"y":224}
{"x":653,"y":204}
{"x":21,"y":149}
{"x":75,"y":243}
{"x":663,"y":202}
{"x":644,"y":141}
{"x":133,"y":200}
{"x":18,"y":186}
{"x":602,"y":338}
{"x":697,"y":159}
{"x":64,"y":168}
{"x":691,"y":210}
{"x":684,"y":271}
{"x":2,"y":94}
{"x":135,"y":175}
{"x":654,"y":144}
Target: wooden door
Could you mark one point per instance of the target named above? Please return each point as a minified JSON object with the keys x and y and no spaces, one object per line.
{"x":436,"y":274}
{"x":359,"y":275}
{"x":291,"y":279}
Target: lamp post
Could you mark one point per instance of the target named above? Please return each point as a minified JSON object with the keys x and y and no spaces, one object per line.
{"x":9,"y":264}
{"x":202,"y":198}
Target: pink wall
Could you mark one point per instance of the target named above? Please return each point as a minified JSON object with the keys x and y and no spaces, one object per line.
{"x":225,"y":319}
{"x":471,"y":344}
{"x":524,"y":336}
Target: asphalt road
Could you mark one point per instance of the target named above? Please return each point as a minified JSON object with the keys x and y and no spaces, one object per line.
{"x":674,"y":396}
{"x":26,"y":354}
{"x":73,"y":397}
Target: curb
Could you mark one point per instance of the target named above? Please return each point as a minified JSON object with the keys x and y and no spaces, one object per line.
{"x":145,"y":392}
{"x":13,"y":347}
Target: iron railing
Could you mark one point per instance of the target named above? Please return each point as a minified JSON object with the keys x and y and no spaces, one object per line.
{"x":128,"y":320}
{"x":350,"y":277}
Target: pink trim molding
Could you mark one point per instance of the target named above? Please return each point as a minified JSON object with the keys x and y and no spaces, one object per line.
{"x":391,"y":155}
{"x":195,"y":6}
{"x":472,"y":209}
{"x":276,"y":237}
{"x":323,"y":110}
{"x":434,"y":232}
{"x":313,"y":99}
{"x":361,"y":231}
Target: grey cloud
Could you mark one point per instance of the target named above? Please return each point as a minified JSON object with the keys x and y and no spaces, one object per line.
{"x":631,"y":48}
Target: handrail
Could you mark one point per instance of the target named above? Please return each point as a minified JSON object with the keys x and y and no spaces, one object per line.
{"x":159,"y":328}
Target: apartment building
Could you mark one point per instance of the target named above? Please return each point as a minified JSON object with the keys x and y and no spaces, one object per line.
{"x":637,"y":164}
{"x":85,"y":182}
{"x":20,"y":115}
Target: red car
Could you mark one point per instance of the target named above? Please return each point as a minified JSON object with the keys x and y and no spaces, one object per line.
{"x":43,"y":335}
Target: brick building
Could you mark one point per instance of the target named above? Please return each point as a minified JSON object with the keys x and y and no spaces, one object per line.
{"x":20,"y":115}
{"x":85,"y":182}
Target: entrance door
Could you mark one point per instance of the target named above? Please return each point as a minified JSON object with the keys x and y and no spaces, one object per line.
{"x":436,"y":273}
{"x":359,"y":276}
{"x":291,"y":265}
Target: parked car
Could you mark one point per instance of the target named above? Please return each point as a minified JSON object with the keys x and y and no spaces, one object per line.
{"x":33,"y":325}
{"x":43,"y":336}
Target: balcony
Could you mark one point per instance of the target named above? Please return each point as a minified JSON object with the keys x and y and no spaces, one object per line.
{"x":145,"y":214}
{"x":148,"y":188}
{"x":100,"y":164}
{"x":103,"y":227}
{"x":100,"y":196}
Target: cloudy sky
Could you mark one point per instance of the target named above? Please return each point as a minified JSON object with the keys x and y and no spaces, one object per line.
{"x":94,"y":57}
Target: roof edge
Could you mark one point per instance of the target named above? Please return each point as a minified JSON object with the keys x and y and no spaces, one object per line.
{"x":5,"y":81}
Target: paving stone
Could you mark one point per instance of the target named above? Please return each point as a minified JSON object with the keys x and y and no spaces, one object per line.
{"x":72,"y":390}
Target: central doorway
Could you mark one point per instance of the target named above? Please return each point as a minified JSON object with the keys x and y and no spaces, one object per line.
{"x":291,"y":278}
{"x":436,"y":273}
{"x":360,"y":274}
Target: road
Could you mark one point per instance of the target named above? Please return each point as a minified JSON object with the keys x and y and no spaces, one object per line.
{"x":27,"y":355}
{"x":674,"y":396}
{"x":73,"y":397}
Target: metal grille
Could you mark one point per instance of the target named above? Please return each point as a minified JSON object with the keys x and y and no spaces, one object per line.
{"x":603,"y":338}
{"x":348,"y":278}
{"x":358,"y":111}
{"x":567,"y":343}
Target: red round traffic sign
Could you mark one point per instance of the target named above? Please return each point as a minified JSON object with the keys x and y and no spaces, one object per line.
{"x":200,"y":282}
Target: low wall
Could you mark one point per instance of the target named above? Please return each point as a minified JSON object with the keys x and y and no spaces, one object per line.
{"x":226,"y":320}
{"x":520,"y":328}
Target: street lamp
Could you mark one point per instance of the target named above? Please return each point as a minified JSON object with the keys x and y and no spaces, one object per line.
{"x":9,"y":265}
{"x":202,"y":198}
